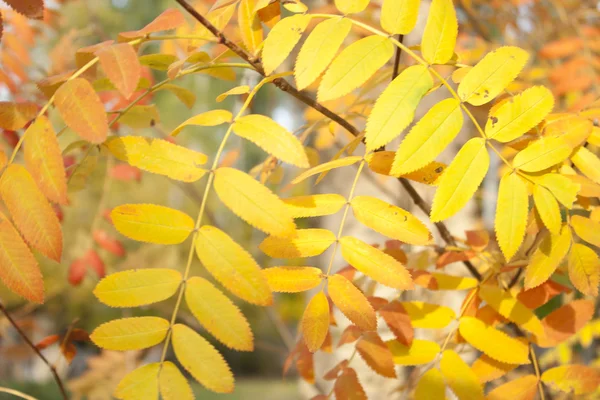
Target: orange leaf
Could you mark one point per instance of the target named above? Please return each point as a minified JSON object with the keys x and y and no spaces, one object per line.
{"x":540,"y":295}
{"x":574,"y":379}
{"x":82,"y":110}
{"x":315,"y":322}
{"x":19,"y":270}
{"x":121,"y":65}
{"x":566,"y":321}
{"x":347,"y":387}
{"x":169,"y":19}
{"x":30,"y":8}
{"x":398,"y":320}
{"x":487,"y":369}
{"x":376,"y":354}
{"x":350,"y":335}
{"x":352,"y":302}
{"x":523,"y":388}
{"x":31,"y":212}
{"x":561,"y":48}
{"x":15,"y":116}
{"x":47,"y":341}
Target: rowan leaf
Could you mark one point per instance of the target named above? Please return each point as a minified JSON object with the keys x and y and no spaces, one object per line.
{"x":315,"y":205}
{"x":523,"y":388}
{"x":399,"y":17}
{"x":272,"y":138}
{"x":418,"y":353}
{"x":44,"y":160}
{"x":121,"y":64}
{"x":293,"y":279}
{"x":395,"y":108}
{"x":564,"y":322}
{"x":31,"y":213}
{"x":429,"y":137}
{"x":208,"y":118}
{"x":306,"y":243}
{"x":542,"y":154}
{"x":282,"y":39}
{"x":172,"y":384}
{"x":438,"y":281}
{"x":327,"y":166}
{"x":519,"y":114}
{"x":315,"y":322}
{"x":398,"y":320}
{"x":390,"y":220}
{"x":493,"y":342}
{"x":431,"y":386}
{"x":139,"y":384}
{"x":29,"y":8}
{"x":563,"y":188}
{"x":348,"y":387}
{"x":547,"y":208}
{"x":461,"y":379}
{"x":441,"y":30}
{"x":490,"y":76}
{"x":14,"y":116}
{"x":253,"y":202}
{"x":354,"y":66}
{"x":249,"y":25}
{"x":351,"y":6}
{"x":218,"y":315}
{"x":588,"y":163}
{"x":461,"y":179}
{"x":376,"y":354}
{"x":19,"y":270}
{"x":487,"y":369}
{"x":426,"y":315}
{"x":201,"y":360}
{"x":319,"y":49}
{"x":583,"y":269}
{"x":573,"y":379}
{"x":548,"y":256}
{"x":375,"y":263}
{"x":184,"y":95}
{"x":130,"y":333}
{"x":351,"y":302}
{"x":511,"y":214}
{"x":81,"y":109}
{"x":138,"y":287}
{"x":586,"y":229}
{"x":152,"y":223}
{"x":232,"y":266}
{"x":169,"y":19}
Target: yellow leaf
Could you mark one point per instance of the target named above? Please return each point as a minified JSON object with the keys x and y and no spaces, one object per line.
{"x":429,"y":137}
{"x":511,"y":308}
{"x":354,"y":66}
{"x":523,"y":388}
{"x":420,"y":352}
{"x":328,"y":166}
{"x":209,"y":118}
{"x":232,"y":266}
{"x":19,"y":270}
{"x":439,"y":37}
{"x":253,"y":202}
{"x":375,"y":264}
{"x":430,"y":316}
{"x":272,"y":138}
{"x":152,"y":223}
{"x":138,"y":287}
{"x":306,"y":243}
{"x":494,"y":343}
{"x":548,"y":256}
{"x":319,"y":49}
{"x":244,"y":89}
{"x":390,"y":220}
{"x":487,"y":369}
{"x":586,"y":229}
{"x":140,"y":384}
{"x":399,"y":16}
{"x":121,"y":65}
{"x":218,"y":315}
{"x":130,"y":333}
{"x":141,"y":117}
{"x":315,"y":322}
{"x":81,"y":109}
{"x":184,"y":95}
{"x":438,"y":281}
{"x":573,"y":379}
{"x":160,"y":62}
{"x":351,"y":6}
{"x":563,"y":188}
{"x":491,"y":75}
{"x":547,"y":208}
{"x":315,"y":205}
{"x":31,"y":213}
{"x":461,"y":379}
{"x":431,"y":386}
{"x":352,"y":302}
{"x":395,"y":109}
{"x":172,"y":384}
{"x":202,"y":360}
{"x":542,"y":154}
{"x":519,"y":114}
{"x":249,"y":24}
{"x":293,"y":279}
{"x":583,"y":269}
{"x":511,"y":214}
{"x":282,"y":39}
{"x":44,"y":160}
{"x":588,"y":163}
{"x":460,"y":180}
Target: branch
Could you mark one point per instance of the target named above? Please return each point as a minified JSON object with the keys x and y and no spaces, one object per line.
{"x":286,"y":87}
{"x":36,"y":350}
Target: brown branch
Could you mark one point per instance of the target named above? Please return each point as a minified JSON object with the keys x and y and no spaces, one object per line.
{"x":286,"y":87}
{"x":36,"y":350}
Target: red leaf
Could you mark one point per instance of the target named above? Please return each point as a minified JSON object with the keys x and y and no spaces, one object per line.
{"x":77,"y":271}
{"x":30,"y":8}
{"x":108,"y":243}
{"x":47,"y":341}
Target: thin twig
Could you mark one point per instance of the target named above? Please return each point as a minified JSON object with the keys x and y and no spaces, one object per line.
{"x":397,"y":58}
{"x":36,"y":350}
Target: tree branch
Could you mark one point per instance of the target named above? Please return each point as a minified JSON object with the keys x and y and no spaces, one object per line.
{"x":286,"y":87}
{"x":36,"y":350}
